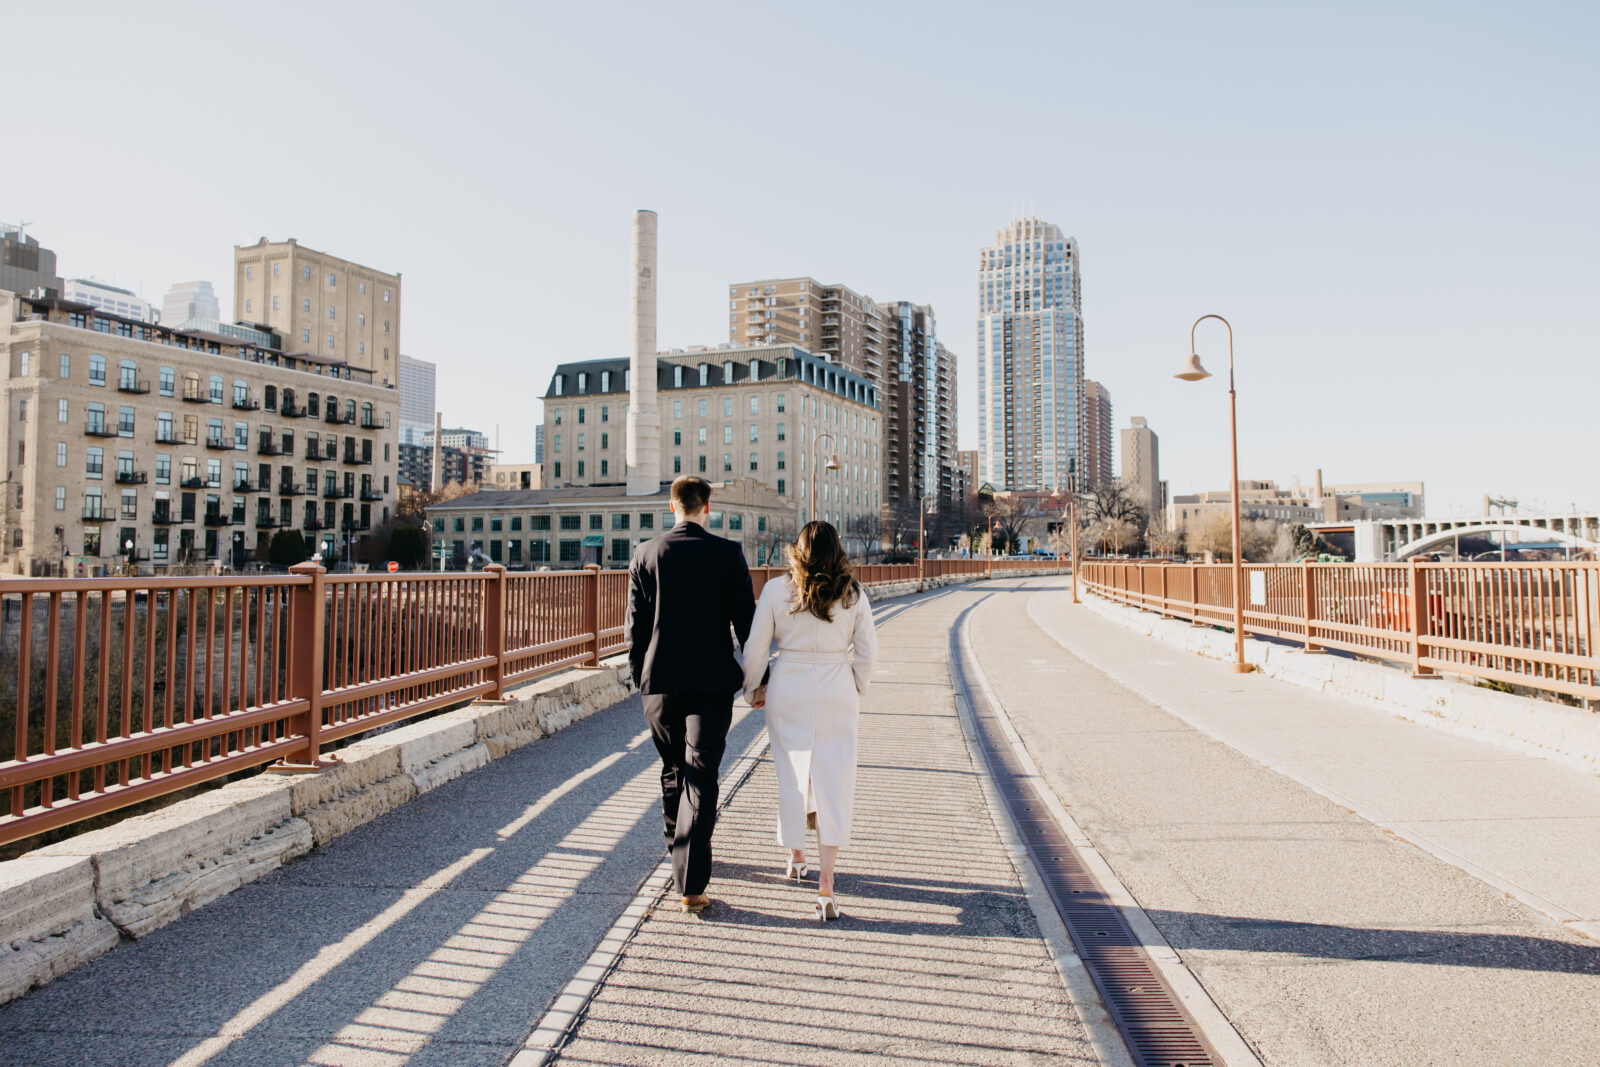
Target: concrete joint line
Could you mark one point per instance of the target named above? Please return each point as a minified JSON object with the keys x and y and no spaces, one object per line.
{"x":556,"y":1026}
{"x":1549,"y":909}
{"x":1216,"y":1027}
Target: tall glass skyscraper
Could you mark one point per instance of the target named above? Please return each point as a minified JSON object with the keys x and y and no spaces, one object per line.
{"x":1031,"y":429}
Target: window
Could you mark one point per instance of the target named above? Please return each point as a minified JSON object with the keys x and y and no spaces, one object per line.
{"x":66,"y":366}
{"x":386,"y":297}
{"x":702,"y":407}
{"x":755,"y":405}
{"x":702,"y":435}
{"x":716,"y":520}
{"x":216,"y":388}
{"x":248,"y":309}
{"x":582,"y":412}
{"x":727,"y":407}
{"x":558,"y":470}
{"x":605,"y":410}
{"x":781,"y":490}
{"x":702,"y":464}
{"x":555,"y":445}
{"x":538,"y":522}
{"x":330,"y":280}
{"x":572,"y":522}
{"x":597,"y":522}
{"x":735,"y":522}
{"x":647,"y":521}
{"x":780,"y":404}
{"x":249,"y":272}
{"x":305,"y":305}
{"x":163,"y":470}
{"x":61,"y":410}
{"x":330,"y":340}
{"x":459,"y":524}
{"x":605,"y":467}
{"x":97,"y":370}
{"x":305,"y":336}
{"x":727,"y":463}
{"x":727,"y":435}
{"x":619,"y":522}
{"x":753,"y":434}
{"x":330,"y":312}
{"x":61,"y":454}
{"x":61,"y":498}
{"x":619,"y":549}
{"x":571,"y":551}
{"x":94,"y":462}
{"x":677,"y":435}
{"x":677,"y":406}
{"x":605,"y":440}
{"x":274,"y":303}
{"x":125,"y":421}
{"x":677,"y":464}
{"x":752,"y":461}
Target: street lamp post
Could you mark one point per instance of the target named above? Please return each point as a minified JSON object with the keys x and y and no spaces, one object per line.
{"x":922,"y":544}
{"x":1194,"y":372}
{"x":991,"y":545}
{"x":832,"y":465}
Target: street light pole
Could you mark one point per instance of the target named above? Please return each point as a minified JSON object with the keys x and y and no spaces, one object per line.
{"x":922,"y":544}
{"x":1194,"y":372}
{"x":991,"y":546}
{"x":832,"y":465}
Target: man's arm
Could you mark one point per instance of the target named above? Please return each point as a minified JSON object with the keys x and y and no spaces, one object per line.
{"x":641,"y":620}
{"x":741,"y":598}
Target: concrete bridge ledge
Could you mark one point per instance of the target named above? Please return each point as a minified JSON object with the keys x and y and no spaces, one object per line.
{"x":1522,"y":724}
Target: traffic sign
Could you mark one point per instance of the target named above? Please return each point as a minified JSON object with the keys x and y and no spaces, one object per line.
{"x":393,"y":566}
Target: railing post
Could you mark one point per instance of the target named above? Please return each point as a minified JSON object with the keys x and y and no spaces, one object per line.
{"x":1164,"y":591}
{"x":1419,"y":619}
{"x":1194,"y":594}
{"x":1308,"y":602}
{"x":591,"y":612}
{"x":494,"y":627}
{"x":307,"y":655}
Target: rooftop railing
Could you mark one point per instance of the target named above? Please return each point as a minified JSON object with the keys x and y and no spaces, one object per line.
{"x":119,"y":690}
{"x":1523,"y":624}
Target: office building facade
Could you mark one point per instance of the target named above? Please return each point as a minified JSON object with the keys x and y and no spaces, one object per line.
{"x":25,"y":264}
{"x":727,"y":414}
{"x":124,"y":303}
{"x":418,"y":398}
{"x":1141,"y":469}
{"x":1031,"y":430}
{"x":1098,"y":434}
{"x":327,"y":307}
{"x":186,"y":301}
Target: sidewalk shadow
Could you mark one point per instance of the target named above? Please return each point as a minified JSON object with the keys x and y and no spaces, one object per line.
{"x":1189,"y":931}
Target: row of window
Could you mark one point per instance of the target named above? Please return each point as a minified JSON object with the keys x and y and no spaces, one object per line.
{"x":214,"y":390}
{"x":619,"y":521}
{"x":333,"y":279}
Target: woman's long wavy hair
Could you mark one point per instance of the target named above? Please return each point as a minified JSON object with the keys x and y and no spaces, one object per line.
{"x":820,"y":572}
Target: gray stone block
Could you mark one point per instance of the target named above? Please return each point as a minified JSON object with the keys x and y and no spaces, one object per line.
{"x":449,"y":767}
{"x":44,"y":895}
{"x":25,"y":965}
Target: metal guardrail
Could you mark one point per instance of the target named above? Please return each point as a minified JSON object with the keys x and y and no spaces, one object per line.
{"x":120,"y":690}
{"x":1527,"y":624}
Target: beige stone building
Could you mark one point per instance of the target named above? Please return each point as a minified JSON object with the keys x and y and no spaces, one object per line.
{"x":728,"y":413}
{"x":568,"y":528}
{"x":502,"y":476}
{"x":127,"y":441}
{"x":1141,"y":469}
{"x":892,"y":344}
{"x":334,"y":309}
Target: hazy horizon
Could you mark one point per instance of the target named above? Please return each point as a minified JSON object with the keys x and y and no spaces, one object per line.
{"x":1393,"y":206}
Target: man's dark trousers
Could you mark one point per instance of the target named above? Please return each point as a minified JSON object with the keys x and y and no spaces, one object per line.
{"x":690,"y":731}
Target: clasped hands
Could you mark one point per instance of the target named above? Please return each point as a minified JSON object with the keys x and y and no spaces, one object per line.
{"x":758,"y":697}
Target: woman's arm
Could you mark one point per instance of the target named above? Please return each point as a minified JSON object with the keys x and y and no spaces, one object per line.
{"x":865,"y":639}
{"x":758,"y":648}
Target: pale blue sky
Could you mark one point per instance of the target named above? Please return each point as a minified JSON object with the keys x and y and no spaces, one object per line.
{"x":1393,"y":203}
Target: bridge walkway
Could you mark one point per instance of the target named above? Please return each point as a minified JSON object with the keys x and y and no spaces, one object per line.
{"x":1340,"y":881}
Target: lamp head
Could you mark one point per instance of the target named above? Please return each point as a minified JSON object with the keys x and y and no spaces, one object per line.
{"x":1192,"y":370}
{"x":833,"y":462}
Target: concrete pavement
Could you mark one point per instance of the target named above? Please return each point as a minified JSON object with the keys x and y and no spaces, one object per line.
{"x":1247,"y":818}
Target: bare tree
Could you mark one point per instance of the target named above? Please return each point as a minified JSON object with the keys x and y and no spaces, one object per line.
{"x":1165,"y":542}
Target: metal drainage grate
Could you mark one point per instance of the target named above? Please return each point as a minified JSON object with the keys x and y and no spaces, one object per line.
{"x":1156,"y":1028}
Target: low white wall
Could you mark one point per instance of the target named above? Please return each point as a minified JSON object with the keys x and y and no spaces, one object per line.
{"x":1522,"y":724}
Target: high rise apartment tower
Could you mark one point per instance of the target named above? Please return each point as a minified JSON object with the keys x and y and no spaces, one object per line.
{"x":1097,"y":469}
{"x":418,"y":398}
{"x":1030,"y":358}
{"x":1141,"y":468}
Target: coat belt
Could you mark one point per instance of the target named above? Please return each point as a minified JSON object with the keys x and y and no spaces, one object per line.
{"x":795,"y":656}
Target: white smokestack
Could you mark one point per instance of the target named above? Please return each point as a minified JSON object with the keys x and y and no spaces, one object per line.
{"x":644,"y":420}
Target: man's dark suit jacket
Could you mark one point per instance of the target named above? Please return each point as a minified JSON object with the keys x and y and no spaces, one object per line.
{"x":684,"y":589}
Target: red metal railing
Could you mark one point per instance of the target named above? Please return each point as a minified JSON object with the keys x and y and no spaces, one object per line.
{"x":1528,"y":624}
{"x":119,"y":690}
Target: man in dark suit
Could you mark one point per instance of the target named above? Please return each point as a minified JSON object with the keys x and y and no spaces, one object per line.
{"x":686,"y":589}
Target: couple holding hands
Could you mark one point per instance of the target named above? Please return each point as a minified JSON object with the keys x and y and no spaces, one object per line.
{"x":689,"y":596}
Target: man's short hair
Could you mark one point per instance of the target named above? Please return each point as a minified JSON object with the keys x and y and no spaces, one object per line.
{"x":692,"y":493}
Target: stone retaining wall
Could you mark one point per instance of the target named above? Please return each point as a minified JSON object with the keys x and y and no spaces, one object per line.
{"x":1524,"y":724}
{"x":67,"y":903}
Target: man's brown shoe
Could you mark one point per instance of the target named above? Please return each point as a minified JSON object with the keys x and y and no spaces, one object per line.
{"x":696,"y":903}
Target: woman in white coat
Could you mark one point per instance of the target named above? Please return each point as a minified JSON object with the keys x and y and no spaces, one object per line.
{"x":818,"y":620}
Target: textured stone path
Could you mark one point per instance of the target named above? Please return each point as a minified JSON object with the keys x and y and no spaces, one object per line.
{"x":938,"y":958}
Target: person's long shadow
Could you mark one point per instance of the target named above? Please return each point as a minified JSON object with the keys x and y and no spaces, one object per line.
{"x":1188,"y":931}
{"x":464,"y":872}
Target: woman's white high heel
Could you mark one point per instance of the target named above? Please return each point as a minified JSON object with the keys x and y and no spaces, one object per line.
{"x":827,"y":907}
{"x":797,"y":869}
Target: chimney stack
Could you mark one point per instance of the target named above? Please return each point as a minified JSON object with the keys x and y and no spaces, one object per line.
{"x":644,"y":420}
{"x":1318,"y":485}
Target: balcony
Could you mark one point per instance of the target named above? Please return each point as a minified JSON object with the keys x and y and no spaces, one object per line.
{"x":371,"y":424}
{"x":372,"y":496}
{"x":290,"y":489}
{"x":195,"y":396}
{"x":268,"y":446}
{"x":290,"y":411}
{"x":129,"y":477}
{"x":244,"y":403}
{"x":217,"y":518}
{"x":219,"y":444}
{"x":102,"y":514}
{"x":337,"y":419}
{"x":311,"y":523}
{"x":265,"y":522}
{"x":333,"y":492}
{"x":356,"y":526}
{"x":164,"y":517}
{"x":356,"y":459}
{"x":192,"y":483}
{"x":100,"y":428}
{"x":133,"y":385}
{"x":244,"y":486}
{"x":313,"y":450}
{"x":166,"y":437}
